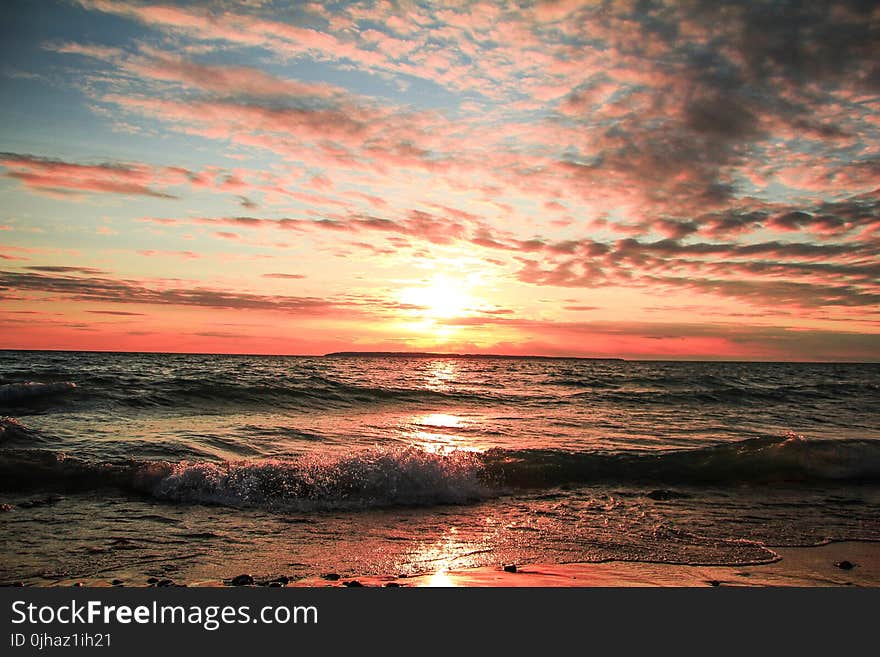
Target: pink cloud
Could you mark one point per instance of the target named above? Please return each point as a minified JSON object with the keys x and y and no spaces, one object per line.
{"x":48,"y":175}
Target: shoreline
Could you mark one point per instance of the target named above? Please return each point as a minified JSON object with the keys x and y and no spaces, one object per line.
{"x":839,"y":563}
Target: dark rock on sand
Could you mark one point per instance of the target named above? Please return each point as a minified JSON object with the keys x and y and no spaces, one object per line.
{"x":283,"y":580}
{"x":42,"y":501}
{"x":353,"y":583}
{"x":333,"y":577}
{"x":77,"y":584}
{"x":242,"y":580}
{"x":663,"y":494}
{"x":845,"y":565}
{"x":152,"y":580}
{"x":275,"y":585}
{"x":392,"y":585}
{"x":510,"y":568}
{"x":713,"y":582}
{"x":116,"y":582}
{"x":165,"y":582}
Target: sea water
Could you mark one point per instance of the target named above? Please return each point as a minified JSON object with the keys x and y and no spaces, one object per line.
{"x":203,"y":466}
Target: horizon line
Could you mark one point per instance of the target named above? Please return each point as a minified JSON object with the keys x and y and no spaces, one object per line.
{"x":426,"y":354}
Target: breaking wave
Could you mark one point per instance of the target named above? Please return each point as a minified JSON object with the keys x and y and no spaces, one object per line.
{"x":408,"y":476}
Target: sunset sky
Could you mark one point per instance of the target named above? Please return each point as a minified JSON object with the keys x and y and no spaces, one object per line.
{"x":637,"y":179}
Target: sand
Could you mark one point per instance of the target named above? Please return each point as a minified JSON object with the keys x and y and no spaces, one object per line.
{"x":798,"y":566}
{"x":802,"y":566}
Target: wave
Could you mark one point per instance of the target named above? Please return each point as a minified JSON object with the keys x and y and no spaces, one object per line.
{"x":12,"y":431}
{"x":786,"y":459}
{"x":371,"y":478}
{"x":408,"y":476}
{"x":730,"y":395}
{"x":15,"y":394}
{"x":228,"y":385}
{"x":222,"y":393}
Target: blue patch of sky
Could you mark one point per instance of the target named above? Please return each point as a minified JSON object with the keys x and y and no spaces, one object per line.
{"x":46,"y":108}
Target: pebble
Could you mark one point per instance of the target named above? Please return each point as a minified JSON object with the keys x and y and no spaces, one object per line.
{"x":116,"y":582}
{"x":393,"y":585}
{"x":510,"y":568}
{"x":845,"y":565}
{"x":275,"y":585}
{"x":165,"y":582}
{"x":153,"y":580}
{"x":663,"y":494}
{"x":282,"y":580}
{"x":713,"y":582}
{"x":333,"y":577}
{"x":42,"y":501}
{"x":242,"y":580}
{"x":353,"y":583}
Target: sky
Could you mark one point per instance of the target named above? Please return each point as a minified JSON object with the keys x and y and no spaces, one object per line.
{"x":672,"y":180}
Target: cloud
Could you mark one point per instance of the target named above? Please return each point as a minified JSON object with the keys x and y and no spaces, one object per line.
{"x":712,"y":340}
{"x":57,"y":176}
{"x":226,"y":81}
{"x":61,"y":269}
{"x":101,"y":289}
{"x":119,"y":313}
{"x":189,"y":255}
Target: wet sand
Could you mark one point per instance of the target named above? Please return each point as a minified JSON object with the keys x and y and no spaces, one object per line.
{"x":811,"y":566}
{"x":799,"y":566}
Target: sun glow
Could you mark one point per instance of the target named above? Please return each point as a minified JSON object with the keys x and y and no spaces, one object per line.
{"x":441,"y":579}
{"x":442,"y":298}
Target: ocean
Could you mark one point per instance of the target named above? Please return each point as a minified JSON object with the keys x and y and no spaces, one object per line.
{"x":200,"y":467}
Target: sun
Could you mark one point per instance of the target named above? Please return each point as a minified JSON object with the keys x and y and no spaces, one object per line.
{"x":441,"y":298}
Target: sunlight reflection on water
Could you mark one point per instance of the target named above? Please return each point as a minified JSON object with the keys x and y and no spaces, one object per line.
{"x":440,"y":578}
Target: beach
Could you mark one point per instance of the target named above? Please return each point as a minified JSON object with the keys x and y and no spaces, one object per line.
{"x":841,"y":564}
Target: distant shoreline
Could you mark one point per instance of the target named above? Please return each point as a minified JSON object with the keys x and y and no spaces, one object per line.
{"x":440,"y":355}
{"x":432,"y":354}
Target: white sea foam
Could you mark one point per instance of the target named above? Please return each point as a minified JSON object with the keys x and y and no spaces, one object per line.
{"x":373,"y":477}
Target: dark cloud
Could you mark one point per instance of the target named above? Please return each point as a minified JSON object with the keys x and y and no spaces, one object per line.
{"x":124,"y":291}
{"x":121,"y":313}
{"x":59,"y":269}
